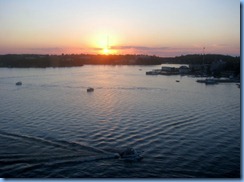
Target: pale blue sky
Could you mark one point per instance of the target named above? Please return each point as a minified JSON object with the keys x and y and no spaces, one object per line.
{"x":167,"y":27}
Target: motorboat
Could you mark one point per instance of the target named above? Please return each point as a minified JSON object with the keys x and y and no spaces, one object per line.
{"x":18,"y":83}
{"x":130,"y":154}
{"x":208,"y":81}
{"x":90,"y":89}
{"x":153,"y":72}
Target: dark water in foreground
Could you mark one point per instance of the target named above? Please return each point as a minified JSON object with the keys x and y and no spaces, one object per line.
{"x":51,"y":127}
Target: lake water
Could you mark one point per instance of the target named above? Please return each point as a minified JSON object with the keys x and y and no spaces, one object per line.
{"x":51,"y":127}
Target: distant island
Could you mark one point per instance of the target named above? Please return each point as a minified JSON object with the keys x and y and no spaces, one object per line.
{"x":70,"y":60}
{"x":210,"y":64}
{"x":220,"y":63}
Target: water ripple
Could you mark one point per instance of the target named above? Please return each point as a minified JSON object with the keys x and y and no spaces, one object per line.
{"x":51,"y":127}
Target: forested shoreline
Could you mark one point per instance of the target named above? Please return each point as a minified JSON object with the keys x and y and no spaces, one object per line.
{"x":73,"y":60}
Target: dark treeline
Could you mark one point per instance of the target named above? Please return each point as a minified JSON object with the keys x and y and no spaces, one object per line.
{"x":36,"y":61}
{"x":202,"y":59}
{"x":70,"y":60}
{"x":221,"y":62}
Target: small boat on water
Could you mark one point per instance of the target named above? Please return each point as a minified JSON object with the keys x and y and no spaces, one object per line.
{"x":130,"y":154}
{"x":153,"y":72}
{"x":18,"y":83}
{"x":90,"y":89}
{"x":208,"y":81}
{"x":177,"y":80}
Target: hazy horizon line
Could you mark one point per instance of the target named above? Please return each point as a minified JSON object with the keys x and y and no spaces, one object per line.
{"x":91,"y":54}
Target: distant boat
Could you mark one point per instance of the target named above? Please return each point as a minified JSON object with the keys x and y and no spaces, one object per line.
{"x":177,"y":80}
{"x":18,"y":83}
{"x":208,"y":81}
{"x":153,"y":72}
{"x":90,"y":89}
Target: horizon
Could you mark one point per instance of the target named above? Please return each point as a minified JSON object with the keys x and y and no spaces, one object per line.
{"x":147,"y":27}
{"x":72,"y":54}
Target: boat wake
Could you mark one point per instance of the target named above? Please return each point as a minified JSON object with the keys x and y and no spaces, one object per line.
{"x":22,"y":148}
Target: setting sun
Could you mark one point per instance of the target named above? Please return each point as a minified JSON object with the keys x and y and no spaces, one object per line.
{"x":106,"y":51}
{"x":103,"y":43}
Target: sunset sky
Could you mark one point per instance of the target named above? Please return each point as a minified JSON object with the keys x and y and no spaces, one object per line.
{"x":153,"y":27}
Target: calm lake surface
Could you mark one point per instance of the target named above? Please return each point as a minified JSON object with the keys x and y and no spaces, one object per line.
{"x":51,"y":127}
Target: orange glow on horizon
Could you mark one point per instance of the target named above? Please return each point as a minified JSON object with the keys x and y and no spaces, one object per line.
{"x":103,"y":42}
{"x":107,"y":51}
